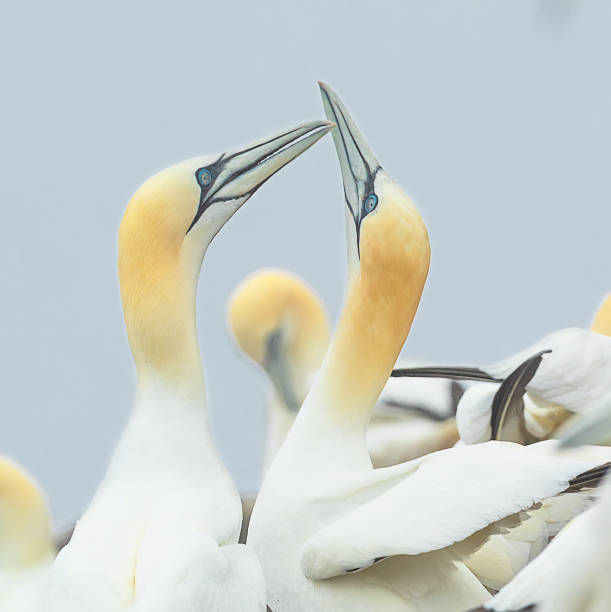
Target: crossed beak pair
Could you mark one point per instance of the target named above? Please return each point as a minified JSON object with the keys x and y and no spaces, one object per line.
{"x":239,"y":174}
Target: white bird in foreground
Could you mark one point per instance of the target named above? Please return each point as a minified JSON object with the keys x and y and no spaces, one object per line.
{"x":161,"y":533}
{"x":281,"y":324}
{"x":26,"y":544}
{"x":572,"y":573}
{"x":567,"y":372}
{"x":332,"y":533}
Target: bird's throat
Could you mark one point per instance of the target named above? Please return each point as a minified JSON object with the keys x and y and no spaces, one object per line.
{"x":159,"y":309}
{"x":365,"y":347}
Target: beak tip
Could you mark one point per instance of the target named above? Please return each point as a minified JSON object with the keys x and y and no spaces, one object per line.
{"x":320,"y":128}
{"x":325,"y":89}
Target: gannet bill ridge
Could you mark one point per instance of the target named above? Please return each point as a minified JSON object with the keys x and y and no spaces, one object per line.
{"x":161,"y":532}
{"x":332,"y":533}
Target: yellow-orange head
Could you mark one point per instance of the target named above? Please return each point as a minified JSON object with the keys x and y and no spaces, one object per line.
{"x":168,"y":224}
{"x":388,"y":256}
{"x":274,"y":315}
{"x":25,"y":525}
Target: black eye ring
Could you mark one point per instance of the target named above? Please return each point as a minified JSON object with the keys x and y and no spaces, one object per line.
{"x":370,"y":203}
{"x":204,"y":177}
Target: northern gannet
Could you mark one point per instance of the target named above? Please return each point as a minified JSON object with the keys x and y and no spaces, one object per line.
{"x":572,"y":573}
{"x":566,"y":372}
{"x":332,"y":533}
{"x":162,"y":530}
{"x":280,"y":323}
{"x":26,"y":544}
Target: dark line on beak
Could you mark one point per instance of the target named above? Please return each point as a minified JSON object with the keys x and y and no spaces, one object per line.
{"x":355,"y":143}
{"x":337,"y":123}
{"x":262,"y":144}
{"x":203,"y":205}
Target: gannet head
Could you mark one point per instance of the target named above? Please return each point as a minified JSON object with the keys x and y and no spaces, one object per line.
{"x":169,"y":223}
{"x":281,"y":324}
{"x":25,"y":525}
{"x":602,"y":319}
{"x":383,"y":224}
{"x":388,"y":246}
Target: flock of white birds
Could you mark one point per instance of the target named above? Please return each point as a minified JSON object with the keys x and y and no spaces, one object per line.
{"x":383,"y":489}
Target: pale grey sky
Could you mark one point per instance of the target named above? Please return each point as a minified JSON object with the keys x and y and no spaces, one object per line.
{"x":494,"y":116}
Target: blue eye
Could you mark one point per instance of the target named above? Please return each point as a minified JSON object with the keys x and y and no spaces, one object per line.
{"x":204,"y":176}
{"x":370,"y":203}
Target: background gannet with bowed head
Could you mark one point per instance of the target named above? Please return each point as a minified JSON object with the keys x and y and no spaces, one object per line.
{"x":332,"y":533}
{"x":161,"y":532}
{"x":542,"y":391}
{"x":572,"y":573}
{"x":26,"y":543}
{"x":281,"y":324}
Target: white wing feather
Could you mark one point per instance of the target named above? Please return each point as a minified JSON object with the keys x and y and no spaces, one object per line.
{"x":566,"y":553}
{"x":451,"y":495}
{"x":178,"y":569}
{"x":576,"y":374}
{"x":473,"y":413}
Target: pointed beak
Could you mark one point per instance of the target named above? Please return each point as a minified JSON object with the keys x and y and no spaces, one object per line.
{"x":240,"y":173}
{"x":276,"y":364}
{"x":358,"y":164}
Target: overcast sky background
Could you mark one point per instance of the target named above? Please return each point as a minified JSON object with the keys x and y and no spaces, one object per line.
{"x":494,"y":116}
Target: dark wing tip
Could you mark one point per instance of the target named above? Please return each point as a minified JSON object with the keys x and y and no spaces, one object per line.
{"x":512,"y":388}
{"x":530,"y":608}
{"x":451,"y":372}
{"x":588,"y":479}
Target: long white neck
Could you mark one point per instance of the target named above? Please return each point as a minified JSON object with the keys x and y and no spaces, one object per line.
{"x":381,"y":302}
{"x":279,"y":421}
{"x":168,"y":431}
{"x":331,"y":427}
{"x":158,"y":277}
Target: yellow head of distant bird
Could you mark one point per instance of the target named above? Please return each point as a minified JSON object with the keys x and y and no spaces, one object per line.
{"x":280,"y":323}
{"x":25,"y":526}
{"x":388,"y":256}
{"x":164,"y":234}
{"x":602,"y":318}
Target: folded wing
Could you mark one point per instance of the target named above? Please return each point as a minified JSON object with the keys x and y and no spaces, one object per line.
{"x":452,"y":495}
{"x":575,"y":374}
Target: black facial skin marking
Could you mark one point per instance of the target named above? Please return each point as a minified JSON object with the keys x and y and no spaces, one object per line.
{"x":214,"y":169}
{"x":217,"y":167}
{"x":357,"y":215}
{"x":276,"y":366}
